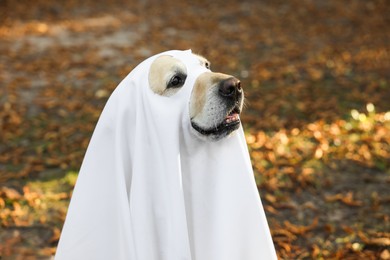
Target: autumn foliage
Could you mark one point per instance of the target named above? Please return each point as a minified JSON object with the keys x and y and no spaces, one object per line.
{"x":316,"y":75}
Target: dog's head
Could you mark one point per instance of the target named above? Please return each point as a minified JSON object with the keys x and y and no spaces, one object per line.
{"x":216,"y":100}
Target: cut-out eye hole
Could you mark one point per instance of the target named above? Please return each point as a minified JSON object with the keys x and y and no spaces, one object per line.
{"x":177,"y":81}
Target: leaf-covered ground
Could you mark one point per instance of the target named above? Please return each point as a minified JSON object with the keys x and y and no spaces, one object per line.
{"x":317,"y":81}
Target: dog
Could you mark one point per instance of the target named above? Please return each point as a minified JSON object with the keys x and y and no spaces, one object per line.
{"x":149,"y":188}
{"x":216,"y":100}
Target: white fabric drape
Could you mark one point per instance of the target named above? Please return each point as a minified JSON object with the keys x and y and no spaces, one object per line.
{"x":148,"y":189}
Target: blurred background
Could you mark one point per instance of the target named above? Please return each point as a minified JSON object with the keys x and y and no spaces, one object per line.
{"x":317,"y":80}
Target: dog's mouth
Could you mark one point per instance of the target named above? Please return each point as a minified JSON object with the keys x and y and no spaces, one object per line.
{"x":230,"y":123}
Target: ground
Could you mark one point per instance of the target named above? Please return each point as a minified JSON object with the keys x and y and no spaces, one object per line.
{"x":317,"y":83}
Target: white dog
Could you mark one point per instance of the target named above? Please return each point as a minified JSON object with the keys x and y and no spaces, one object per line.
{"x":216,"y":100}
{"x":167,"y":173}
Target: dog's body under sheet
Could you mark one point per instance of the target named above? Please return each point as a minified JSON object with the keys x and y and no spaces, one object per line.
{"x":149,"y":189}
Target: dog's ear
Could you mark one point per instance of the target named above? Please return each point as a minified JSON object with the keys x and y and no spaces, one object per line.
{"x":167,"y":75}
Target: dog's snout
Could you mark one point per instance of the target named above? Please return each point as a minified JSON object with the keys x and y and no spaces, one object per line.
{"x":230,"y":87}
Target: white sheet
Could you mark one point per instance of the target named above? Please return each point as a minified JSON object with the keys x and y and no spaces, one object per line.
{"x":149,"y":189}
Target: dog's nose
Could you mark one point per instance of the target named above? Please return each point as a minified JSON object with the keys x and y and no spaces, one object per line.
{"x":230,"y":87}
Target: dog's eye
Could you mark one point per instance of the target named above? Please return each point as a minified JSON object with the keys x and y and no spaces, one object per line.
{"x":176,"y":81}
{"x":207,"y":65}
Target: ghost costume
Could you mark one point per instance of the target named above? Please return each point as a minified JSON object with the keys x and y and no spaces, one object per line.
{"x":149,"y":189}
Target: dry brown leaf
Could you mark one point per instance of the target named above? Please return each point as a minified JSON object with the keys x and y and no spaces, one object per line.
{"x":9,"y":193}
{"x":300,"y":230}
{"x":385,"y":254}
{"x":345,"y":198}
{"x":282,"y":232}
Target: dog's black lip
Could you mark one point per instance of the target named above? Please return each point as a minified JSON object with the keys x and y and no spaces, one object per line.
{"x":223,"y":127}
{"x":236,"y":109}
